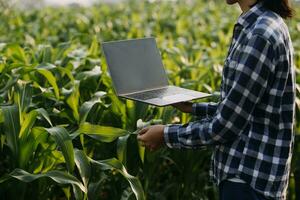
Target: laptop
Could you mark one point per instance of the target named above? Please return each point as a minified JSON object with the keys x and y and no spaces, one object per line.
{"x":137,"y":73}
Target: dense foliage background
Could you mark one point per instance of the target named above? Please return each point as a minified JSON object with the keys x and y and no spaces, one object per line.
{"x":63,"y":132}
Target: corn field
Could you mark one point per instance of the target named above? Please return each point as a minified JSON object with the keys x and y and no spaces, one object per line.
{"x":64,"y":134}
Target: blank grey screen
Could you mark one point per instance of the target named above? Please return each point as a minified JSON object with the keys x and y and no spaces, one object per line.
{"x":135,"y":65}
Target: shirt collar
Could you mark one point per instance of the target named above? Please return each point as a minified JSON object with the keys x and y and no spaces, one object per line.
{"x":249,"y":17}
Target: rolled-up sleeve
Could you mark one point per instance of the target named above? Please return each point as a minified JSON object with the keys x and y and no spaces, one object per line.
{"x":253,"y":70}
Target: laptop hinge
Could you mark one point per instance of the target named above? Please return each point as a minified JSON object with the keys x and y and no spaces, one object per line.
{"x":124,"y":94}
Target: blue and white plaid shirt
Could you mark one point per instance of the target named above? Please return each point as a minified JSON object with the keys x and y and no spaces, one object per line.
{"x":251,"y":127}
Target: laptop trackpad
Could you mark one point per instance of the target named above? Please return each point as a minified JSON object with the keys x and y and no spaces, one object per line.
{"x":177,"y":97}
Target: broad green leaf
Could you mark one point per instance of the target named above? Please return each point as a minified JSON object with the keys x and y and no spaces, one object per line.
{"x":135,"y":110}
{"x":64,"y":141}
{"x":24,"y":95}
{"x":17,"y":53}
{"x":11,"y":81}
{"x":73,"y":100}
{"x":85,"y":109}
{"x":77,"y":193}
{"x":101,"y":133}
{"x":67,"y":192}
{"x":86,"y":76}
{"x":122,"y":149}
{"x":26,"y":151}
{"x":2,"y":67}
{"x":57,"y":176}
{"x":134,"y":182}
{"x":61,"y":49}
{"x":30,"y":139}
{"x":45,"y":54}
{"x":83,"y":166}
{"x":68,"y":73}
{"x":52,"y":80}
{"x":94,"y":187}
{"x":1,"y":116}
{"x":141,"y":152}
{"x":94,"y":49}
{"x":46,"y":65}
{"x":27,"y":123}
{"x":74,"y":135}
{"x":118,"y":108}
{"x":30,"y":119}
{"x":2,"y":141}
{"x":39,"y":134}
{"x":42,"y":112}
{"x":12,"y":127}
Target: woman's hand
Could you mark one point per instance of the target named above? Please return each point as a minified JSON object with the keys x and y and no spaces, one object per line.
{"x":183,"y":106}
{"x":152,"y":137}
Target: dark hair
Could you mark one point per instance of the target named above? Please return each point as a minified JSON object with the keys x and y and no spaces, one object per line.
{"x":281,"y":7}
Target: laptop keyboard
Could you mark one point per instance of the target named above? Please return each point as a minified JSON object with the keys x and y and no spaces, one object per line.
{"x":159,"y":93}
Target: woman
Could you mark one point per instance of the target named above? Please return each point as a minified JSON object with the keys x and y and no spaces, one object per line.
{"x":251,"y":128}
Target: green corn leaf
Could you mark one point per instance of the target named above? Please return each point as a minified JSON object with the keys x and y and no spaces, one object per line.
{"x":83,"y":166}
{"x":52,"y":80}
{"x":67,"y":72}
{"x":45,"y":54}
{"x":141,"y":152}
{"x":135,"y":110}
{"x":29,"y":144}
{"x":26,"y":151}
{"x":115,"y":164}
{"x":1,"y":116}
{"x":29,"y":120}
{"x":24,"y":96}
{"x":94,"y":187}
{"x":17,"y":53}
{"x":61,"y":49}
{"x":73,"y":100}
{"x":30,"y":139}
{"x":12,"y":127}
{"x":64,"y":141}
{"x":122,"y":148}
{"x":11,"y":81}
{"x":118,"y":108}
{"x":101,"y":133}
{"x":57,"y":176}
{"x":94,"y":49}
{"x":42,"y":112}
{"x":77,"y":193}
{"x":67,"y":192}
{"x":85,"y":109}
{"x":27,"y":123}
{"x":47,"y":66}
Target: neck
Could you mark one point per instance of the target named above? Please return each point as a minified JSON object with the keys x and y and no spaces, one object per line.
{"x":245,"y":5}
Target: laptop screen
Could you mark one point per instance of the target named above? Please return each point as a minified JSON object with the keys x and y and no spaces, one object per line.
{"x":135,"y":65}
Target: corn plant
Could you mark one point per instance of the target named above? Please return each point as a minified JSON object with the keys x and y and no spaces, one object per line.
{"x":63,"y":131}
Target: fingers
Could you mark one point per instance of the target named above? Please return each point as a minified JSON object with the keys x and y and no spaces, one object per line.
{"x":141,"y":136}
{"x":144,"y":143}
{"x":144,"y":130}
{"x":146,"y":138}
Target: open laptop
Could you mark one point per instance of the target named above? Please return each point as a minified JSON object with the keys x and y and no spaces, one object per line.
{"x":137,"y":73}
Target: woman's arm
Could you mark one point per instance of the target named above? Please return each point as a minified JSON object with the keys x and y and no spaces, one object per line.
{"x":197,"y":109}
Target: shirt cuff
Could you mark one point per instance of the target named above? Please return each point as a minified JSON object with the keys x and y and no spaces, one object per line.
{"x":171,"y":136}
{"x":204,"y":109}
{"x":199,"y":109}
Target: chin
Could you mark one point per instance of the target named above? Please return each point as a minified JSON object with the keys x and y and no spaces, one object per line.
{"x":230,"y":2}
